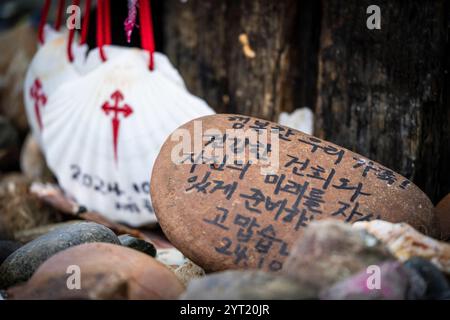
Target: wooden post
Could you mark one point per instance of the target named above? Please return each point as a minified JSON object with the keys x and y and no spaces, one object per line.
{"x":245,"y":56}
{"x":382,"y":93}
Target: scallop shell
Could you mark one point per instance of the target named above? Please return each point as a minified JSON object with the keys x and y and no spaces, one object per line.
{"x":113,"y":178}
{"x":112,"y":51}
{"x":47,"y":71}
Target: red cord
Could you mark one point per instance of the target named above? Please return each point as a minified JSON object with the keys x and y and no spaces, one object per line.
{"x":100,"y":26}
{"x":43,"y":20}
{"x":107,"y":22}
{"x":85,"y":26}
{"x":71,"y":36}
{"x":60,"y":14}
{"x":142,"y":21}
{"x":146,"y":26}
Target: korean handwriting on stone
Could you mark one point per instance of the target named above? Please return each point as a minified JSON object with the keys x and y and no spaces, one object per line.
{"x":250,"y":238}
{"x":316,"y":144}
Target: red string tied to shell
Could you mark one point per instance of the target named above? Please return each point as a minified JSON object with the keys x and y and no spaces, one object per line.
{"x":43,"y":20}
{"x":146,"y":27}
{"x":44,"y":16}
{"x":71,"y":36}
{"x":86,"y":19}
{"x":84,"y":29}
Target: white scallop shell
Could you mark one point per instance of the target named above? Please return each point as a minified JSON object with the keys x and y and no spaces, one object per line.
{"x":78,"y":135}
{"x":112,"y":51}
{"x":49,"y":68}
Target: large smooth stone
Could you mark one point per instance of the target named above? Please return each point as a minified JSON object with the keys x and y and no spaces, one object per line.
{"x":245,"y":285}
{"x":224,"y":216}
{"x":107,"y":271}
{"x":330,"y":251}
{"x":443,"y":216}
{"x":21,"y":265}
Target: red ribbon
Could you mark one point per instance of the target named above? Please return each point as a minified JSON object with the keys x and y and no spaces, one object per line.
{"x":43,"y":20}
{"x":146,"y":25}
{"x":107,"y":21}
{"x":100,"y":28}
{"x":61,"y":4}
{"x":85,"y":26}
{"x":71,"y":36}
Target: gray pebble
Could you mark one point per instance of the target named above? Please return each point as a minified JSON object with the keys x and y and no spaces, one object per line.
{"x":21,"y":265}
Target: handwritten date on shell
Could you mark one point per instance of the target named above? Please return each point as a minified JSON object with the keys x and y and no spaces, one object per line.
{"x":241,"y":190}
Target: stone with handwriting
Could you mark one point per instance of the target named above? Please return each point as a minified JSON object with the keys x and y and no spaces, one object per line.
{"x":234,"y":192}
{"x":443,"y":216}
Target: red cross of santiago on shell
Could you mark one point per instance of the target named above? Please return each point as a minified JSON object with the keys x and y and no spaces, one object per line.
{"x":115,"y":109}
{"x":40,"y":99}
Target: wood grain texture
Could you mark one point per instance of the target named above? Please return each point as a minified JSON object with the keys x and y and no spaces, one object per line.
{"x":202,"y":38}
{"x":382,"y":93}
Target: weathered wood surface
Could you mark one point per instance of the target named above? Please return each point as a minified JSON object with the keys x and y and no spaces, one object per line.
{"x":382,"y":93}
{"x":207,"y":42}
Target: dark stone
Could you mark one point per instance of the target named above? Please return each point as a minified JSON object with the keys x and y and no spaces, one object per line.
{"x":20,"y":265}
{"x":417,"y":286}
{"x":245,"y":285}
{"x":436,"y":283}
{"x":138,"y":244}
{"x":6,"y":248}
{"x":28,"y":235}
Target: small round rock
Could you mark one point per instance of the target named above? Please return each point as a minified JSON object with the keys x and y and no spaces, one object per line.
{"x":21,"y":265}
{"x":104,"y":271}
{"x":138,"y":244}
